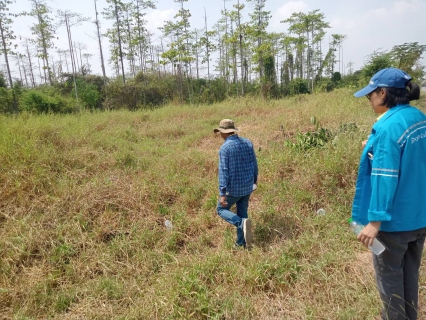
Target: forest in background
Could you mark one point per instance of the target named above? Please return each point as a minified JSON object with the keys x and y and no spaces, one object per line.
{"x":234,"y":58}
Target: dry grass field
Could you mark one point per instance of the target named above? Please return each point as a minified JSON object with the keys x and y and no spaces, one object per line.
{"x":83,"y":200}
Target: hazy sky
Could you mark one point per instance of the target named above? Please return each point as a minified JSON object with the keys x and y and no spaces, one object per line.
{"x":369,"y":25}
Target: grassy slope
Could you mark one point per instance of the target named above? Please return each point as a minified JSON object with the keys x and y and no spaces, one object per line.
{"x":83,"y":201}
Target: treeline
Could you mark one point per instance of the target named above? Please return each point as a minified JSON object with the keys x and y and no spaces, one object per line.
{"x":236,"y":57}
{"x":150,"y":89}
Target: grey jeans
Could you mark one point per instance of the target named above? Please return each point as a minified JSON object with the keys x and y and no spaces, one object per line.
{"x":397,"y":273}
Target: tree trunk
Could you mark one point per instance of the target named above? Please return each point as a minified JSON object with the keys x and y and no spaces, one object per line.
{"x":139,"y":35}
{"x":119,"y":41}
{"x":15,"y":104}
{"x":44,"y":44}
{"x":241,"y":50}
{"x":30,"y":63}
{"x":207,"y":48}
{"x":73,"y":65}
{"x":100,"y":45}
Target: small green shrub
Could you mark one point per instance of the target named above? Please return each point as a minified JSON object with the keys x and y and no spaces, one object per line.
{"x":314,"y":139}
{"x":298,"y":86}
{"x":37,"y":101}
{"x":135,"y":95}
{"x":6,"y":100}
{"x":324,"y":85}
{"x":3,"y":83}
{"x":307,"y":140}
{"x":87,"y":93}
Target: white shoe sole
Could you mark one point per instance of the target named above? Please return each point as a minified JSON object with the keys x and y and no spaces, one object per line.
{"x":248,"y":234}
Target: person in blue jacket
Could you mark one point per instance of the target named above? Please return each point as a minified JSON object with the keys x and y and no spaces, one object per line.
{"x":390,"y":196}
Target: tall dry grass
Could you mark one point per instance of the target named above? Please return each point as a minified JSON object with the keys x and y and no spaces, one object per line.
{"x":83,"y":200}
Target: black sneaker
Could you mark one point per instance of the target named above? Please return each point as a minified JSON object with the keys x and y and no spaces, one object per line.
{"x":248,"y":234}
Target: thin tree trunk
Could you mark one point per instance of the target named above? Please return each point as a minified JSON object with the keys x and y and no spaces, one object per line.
{"x":81,"y":59}
{"x":241,"y":50}
{"x":140,"y":36}
{"x":39,"y":70}
{"x":162,"y":50}
{"x":60,"y":68}
{"x":100,"y":45}
{"x":196,"y":55}
{"x":132,"y":62}
{"x":66,"y":62}
{"x":20,"y":72}
{"x":53,"y":68}
{"x":75,"y":57}
{"x":207,"y":48}
{"x":72,"y":55}
{"x":226,"y":51}
{"x":5,"y":55}
{"x":31,"y":65}
{"x":234,"y":58}
{"x":44,"y":69}
{"x":43,"y":39}
{"x":119,"y":41}
{"x":25,"y":74}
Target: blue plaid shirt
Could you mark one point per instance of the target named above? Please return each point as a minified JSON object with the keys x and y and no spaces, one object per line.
{"x":237,"y":167}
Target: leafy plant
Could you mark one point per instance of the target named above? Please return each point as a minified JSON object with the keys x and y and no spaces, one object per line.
{"x":6,"y":100}
{"x":298,"y":86}
{"x":87,"y":93}
{"x":307,"y":140}
{"x":38,"y":101}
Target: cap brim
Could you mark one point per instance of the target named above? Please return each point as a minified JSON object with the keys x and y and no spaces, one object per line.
{"x":364,"y":91}
{"x":225,"y":130}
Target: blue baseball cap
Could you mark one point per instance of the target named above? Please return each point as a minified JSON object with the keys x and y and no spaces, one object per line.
{"x":389,"y":77}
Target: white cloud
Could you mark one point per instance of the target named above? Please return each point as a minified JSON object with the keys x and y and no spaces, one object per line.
{"x":387,"y":18}
{"x":404,"y":7}
{"x":379,"y":28}
{"x":285,"y":12}
{"x":156,"y":18}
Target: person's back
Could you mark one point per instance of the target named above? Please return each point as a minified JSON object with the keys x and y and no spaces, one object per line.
{"x":241,"y":162}
{"x":403,"y":131}
{"x":409,"y":128}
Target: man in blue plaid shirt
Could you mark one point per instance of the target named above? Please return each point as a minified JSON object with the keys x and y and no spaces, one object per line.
{"x":237,"y":179}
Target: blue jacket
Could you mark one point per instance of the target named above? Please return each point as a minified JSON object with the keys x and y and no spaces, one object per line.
{"x":391,"y":184}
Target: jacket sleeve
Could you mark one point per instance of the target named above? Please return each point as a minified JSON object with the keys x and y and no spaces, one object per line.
{"x":256,"y":168}
{"x":223,"y":171}
{"x":384,"y":177}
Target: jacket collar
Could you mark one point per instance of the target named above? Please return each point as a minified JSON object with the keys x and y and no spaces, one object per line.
{"x":390,"y":113}
{"x":232,"y":137}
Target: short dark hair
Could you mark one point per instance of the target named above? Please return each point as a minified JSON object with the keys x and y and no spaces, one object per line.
{"x":399,"y":96}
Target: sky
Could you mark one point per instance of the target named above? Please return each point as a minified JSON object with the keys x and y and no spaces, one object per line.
{"x":369,"y":25}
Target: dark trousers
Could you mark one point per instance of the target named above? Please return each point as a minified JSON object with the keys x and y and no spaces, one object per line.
{"x":397,"y":273}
